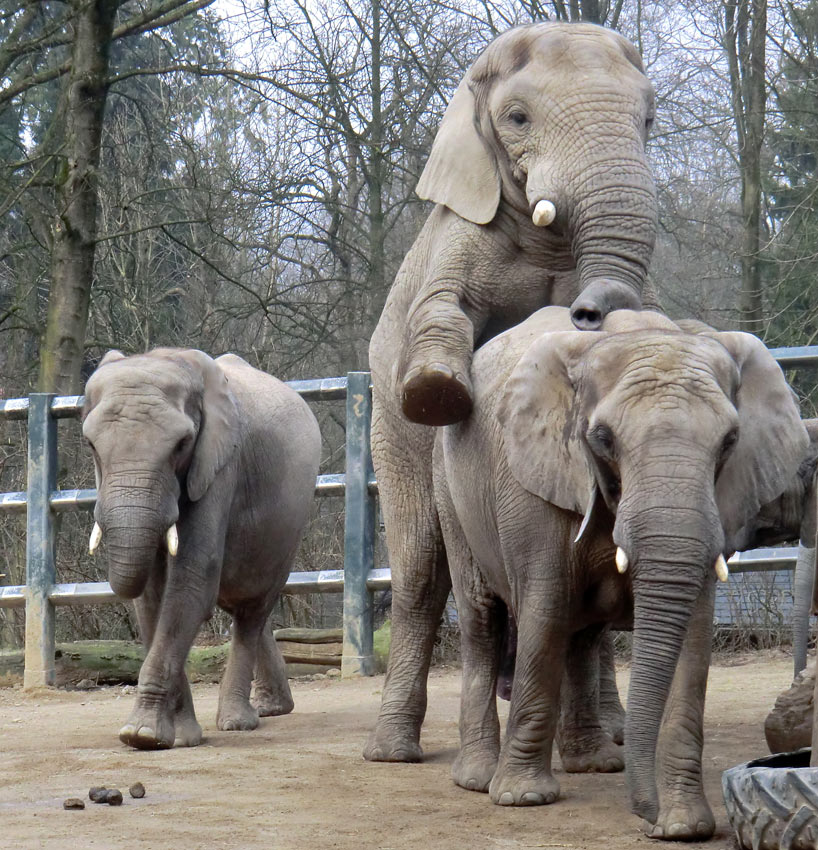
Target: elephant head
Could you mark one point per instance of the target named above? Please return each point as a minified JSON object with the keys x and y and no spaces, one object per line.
{"x":160,"y":426}
{"x":550,"y":124}
{"x":681,"y":438}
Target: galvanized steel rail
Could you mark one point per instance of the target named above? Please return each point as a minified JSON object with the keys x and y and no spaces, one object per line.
{"x":41,"y":593}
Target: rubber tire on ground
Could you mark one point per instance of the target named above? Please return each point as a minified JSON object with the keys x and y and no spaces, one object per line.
{"x":772,"y":802}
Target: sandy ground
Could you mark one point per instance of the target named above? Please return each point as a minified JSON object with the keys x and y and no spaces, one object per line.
{"x":299,"y":782}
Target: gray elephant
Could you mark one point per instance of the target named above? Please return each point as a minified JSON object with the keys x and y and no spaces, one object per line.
{"x":668,"y":443}
{"x":551,"y":120}
{"x":206,"y":476}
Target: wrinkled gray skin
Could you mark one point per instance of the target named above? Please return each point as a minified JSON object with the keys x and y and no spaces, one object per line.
{"x":230,"y":455}
{"x":669,"y":443}
{"x":550,"y":111}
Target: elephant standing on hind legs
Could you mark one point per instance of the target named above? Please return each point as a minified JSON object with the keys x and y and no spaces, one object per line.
{"x":206,"y":478}
{"x":544,"y":196}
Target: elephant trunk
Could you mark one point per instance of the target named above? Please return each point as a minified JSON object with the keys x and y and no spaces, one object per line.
{"x":134,"y":526}
{"x":672,"y":553}
{"x":802,"y":603}
{"x":613,"y":231}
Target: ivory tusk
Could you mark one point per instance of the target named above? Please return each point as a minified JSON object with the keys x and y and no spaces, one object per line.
{"x":96,"y":536}
{"x":722,"y":570}
{"x":621,"y":560}
{"x":544,"y":213}
{"x":172,"y":539}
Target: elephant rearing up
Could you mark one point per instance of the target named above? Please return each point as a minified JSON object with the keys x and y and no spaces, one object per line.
{"x":544,"y":196}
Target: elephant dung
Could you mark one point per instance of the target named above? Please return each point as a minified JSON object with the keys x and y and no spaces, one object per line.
{"x":788,"y":726}
{"x":73,"y":803}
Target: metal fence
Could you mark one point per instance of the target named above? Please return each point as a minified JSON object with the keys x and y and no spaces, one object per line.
{"x":42,"y":501}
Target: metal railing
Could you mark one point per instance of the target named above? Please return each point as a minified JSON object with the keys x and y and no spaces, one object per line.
{"x":42,"y":501}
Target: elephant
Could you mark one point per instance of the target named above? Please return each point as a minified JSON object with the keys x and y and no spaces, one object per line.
{"x":550,"y":118}
{"x":206,"y":476}
{"x":601,"y":479}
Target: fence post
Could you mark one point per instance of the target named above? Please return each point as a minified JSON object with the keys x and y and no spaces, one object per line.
{"x":40,"y":543}
{"x":359,"y":531}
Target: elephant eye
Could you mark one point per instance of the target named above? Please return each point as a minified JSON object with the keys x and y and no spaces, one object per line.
{"x":727,"y":445}
{"x":601,"y":440}
{"x":518,"y":117}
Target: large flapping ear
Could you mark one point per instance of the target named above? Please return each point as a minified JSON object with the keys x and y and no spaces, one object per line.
{"x":218,"y":437}
{"x":542,"y":421}
{"x":461,"y":172}
{"x":772,"y":440}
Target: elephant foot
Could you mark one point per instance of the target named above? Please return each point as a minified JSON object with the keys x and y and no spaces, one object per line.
{"x":509,"y":788}
{"x":606,"y":757}
{"x":389,"y":742}
{"x":148,"y":731}
{"x":435,"y":394}
{"x":269,"y":703}
{"x":188,"y":732}
{"x":474,"y":772}
{"x":682,"y":821}
{"x":613,"y":722}
{"x":238,"y":717}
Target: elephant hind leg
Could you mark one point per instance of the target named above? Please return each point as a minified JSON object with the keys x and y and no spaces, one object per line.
{"x":585,"y":746}
{"x":421,"y":583}
{"x":272,"y":696}
{"x":483,"y":622}
{"x":235,"y":712}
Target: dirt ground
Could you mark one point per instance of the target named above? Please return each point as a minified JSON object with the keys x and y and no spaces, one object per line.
{"x":299,"y":782}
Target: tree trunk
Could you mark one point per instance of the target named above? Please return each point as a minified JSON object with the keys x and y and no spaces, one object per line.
{"x":745,"y":47}
{"x":75,"y":228}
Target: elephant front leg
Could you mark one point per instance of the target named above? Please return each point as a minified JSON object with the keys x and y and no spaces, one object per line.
{"x":684,"y":813}
{"x":436,"y":387}
{"x":585,"y":746}
{"x":273,"y":696}
{"x":163,"y":715}
{"x":523,"y":776}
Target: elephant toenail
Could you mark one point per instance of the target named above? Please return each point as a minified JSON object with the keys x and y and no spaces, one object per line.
{"x":506,"y":799}
{"x":531,"y":798}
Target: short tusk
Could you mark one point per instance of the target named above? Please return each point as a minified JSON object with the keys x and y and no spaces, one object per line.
{"x":621,"y":560}
{"x":721,"y":568}
{"x":544,"y":213}
{"x":96,"y":536}
{"x":172,"y":539}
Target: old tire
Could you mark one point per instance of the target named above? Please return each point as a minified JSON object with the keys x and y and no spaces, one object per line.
{"x":772,"y":802}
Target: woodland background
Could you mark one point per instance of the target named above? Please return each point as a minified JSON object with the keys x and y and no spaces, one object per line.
{"x":239,"y":175}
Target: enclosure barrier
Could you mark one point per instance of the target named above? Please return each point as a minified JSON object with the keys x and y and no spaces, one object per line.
{"x":358,"y":579}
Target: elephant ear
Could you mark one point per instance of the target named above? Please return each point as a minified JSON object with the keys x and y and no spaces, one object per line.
{"x":461,"y":172}
{"x":772,"y":439}
{"x":542,"y":422}
{"x":218,"y":437}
